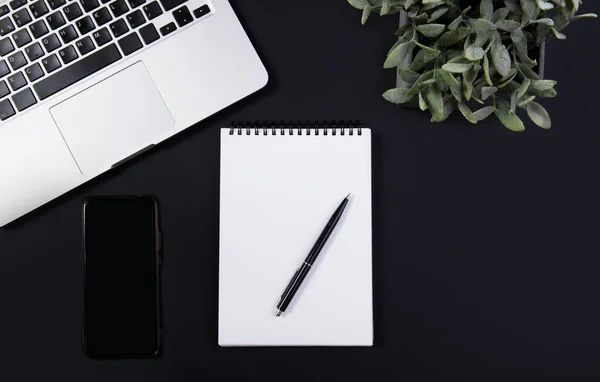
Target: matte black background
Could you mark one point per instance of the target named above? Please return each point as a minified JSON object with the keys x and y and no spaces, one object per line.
{"x":486,"y":248}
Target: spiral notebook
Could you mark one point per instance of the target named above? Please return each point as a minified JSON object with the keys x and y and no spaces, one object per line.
{"x":279,"y":186}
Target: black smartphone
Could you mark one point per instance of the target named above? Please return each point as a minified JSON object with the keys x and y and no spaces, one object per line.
{"x":121,"y":268}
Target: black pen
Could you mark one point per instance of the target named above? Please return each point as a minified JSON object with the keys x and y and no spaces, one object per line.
{"x":300,"y":275}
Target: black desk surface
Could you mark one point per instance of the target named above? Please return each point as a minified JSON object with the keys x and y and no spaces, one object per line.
{"x":486,"y":245}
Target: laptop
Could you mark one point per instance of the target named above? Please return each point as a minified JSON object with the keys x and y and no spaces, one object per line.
{"x":86,"y":85}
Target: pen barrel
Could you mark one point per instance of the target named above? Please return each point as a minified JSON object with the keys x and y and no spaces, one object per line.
{"x":293,"y":286}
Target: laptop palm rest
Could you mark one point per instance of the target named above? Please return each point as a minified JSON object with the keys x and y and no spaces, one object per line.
{"x":113,"y":119}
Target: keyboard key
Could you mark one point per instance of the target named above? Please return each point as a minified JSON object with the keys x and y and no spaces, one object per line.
{"x":21,"y":17}
{"x":68,"y":34}
{"x":202,"y":11}
{"x":85,"y":25}
{"x":17,"y":3}
{"x":101,"y":36}
{"x":152,"y":10}
{"x":51,"y":63}
{"x":102,"y":16}
{"x":77,"y":71}
{"x":89,"y":5}
{"x":34,"y":51}
{"x":119,"y":28}
{"x":4,"y":10}
{"x":170,"y":4}
{"x":72,"y":11}
{"x":24,"y":99}
{"x":34,"y":72}
{"x":4,"y":70}
{"x":149,"y":34}
{"x":6,"y":26}
{"x":106,"y":1}
{"x":135,"y":19}
{"x":21,"y":37}
{"x":68,"y":54}
{"x":136,"y":3}
{"x":38,"y":9}
{"x":6,"y":46}
{"x":85,"y":45}
{"x":55,"y":20}
{"x":130,"y":43}
{"x":51,"y":42}
{"x":38,"y":29}
{"x":6,"y":110}
{"x":118,"y":8}
{"x":17,"y":81}
{"x":182,"y":16}
{"x":170,"y":27}
{"x":56,"y":3}
{"x":17,"y":60}
{"x":4,"y":90}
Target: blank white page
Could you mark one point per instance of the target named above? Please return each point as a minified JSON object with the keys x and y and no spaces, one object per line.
{"x":277,"y":194}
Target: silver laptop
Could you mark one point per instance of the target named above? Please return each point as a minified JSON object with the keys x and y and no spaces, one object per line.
{"x":87,"y":84}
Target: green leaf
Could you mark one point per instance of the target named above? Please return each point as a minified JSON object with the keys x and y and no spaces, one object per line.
{"x":455,"y":24}
{"x":499,"y":14}
{"x":456,"y":68}
{"x":474,"y":53}
{"x":539,"y":115}
{"x":524,"y":102}
{"x":488,"y":91}
{"x":585,"y":16}
{"x":422,"y":58}
{"x":428,"y":49}
{"x":544,"y":5}
{"x":359,"y":4}
{"x":486,"y":9}
{"x":524,"y":87}
{"x":507,"y":117}
{"x":408,"y":75}
{"x":517,"y":35}
{"x":435,"y":102}
{"x":501,"y":58}
{"x":482,"y":113}
{"x":422,"y":104}
{"x":466,"y":112}
{"x":431,"y":30}
{"x":385,"y":7}
{"x":530,"y":10}
{"x":449,"y":38}
{"x":527,"y":72}
{"x":512,"y":73}
{"x":424,"y":80}
{"x":486,"y":70}
{"x":448,"y":78}
{"x":544,"y":21}
{"x":457,"y":92}
{"x":557,"y":34}
{"x":542,"y":85}
{"x":397,"y":55}
{"x":437,"y":14}
{"x":483,"y":25}
{"x":366,"y":12}
{"x":397,"y":95}
{"x":508,"y":25}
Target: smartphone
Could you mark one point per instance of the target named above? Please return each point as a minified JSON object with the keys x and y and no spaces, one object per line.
{"x":121,"y":269}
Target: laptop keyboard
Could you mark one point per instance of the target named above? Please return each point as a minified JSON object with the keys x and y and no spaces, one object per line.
{"x":48,"y":45}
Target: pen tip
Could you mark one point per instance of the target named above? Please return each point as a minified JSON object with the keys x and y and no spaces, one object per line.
{"x":278,"y":313}
{"x":349,"y":196}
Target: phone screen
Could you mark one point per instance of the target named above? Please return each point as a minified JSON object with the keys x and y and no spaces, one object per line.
{"x":121,"y":315}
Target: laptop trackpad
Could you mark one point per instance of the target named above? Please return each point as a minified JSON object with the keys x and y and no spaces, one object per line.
{"x":113,"y":119}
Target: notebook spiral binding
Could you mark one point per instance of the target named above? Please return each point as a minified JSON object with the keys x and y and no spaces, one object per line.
{"x":298,"y":128}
